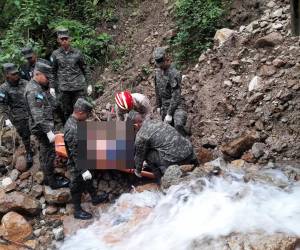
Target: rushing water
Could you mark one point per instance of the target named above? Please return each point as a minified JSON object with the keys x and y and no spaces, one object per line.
{"x":205,"y":208}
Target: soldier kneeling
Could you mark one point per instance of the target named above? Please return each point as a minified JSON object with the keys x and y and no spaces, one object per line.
{"x":81,"y":180}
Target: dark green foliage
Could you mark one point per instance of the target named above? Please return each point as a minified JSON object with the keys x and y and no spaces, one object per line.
{"x":197,"y":21}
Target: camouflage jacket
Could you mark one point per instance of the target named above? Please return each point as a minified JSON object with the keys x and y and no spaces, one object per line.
{"x":71,"y":142}
{"x":157,"y":135}
{"x":39,"y":104}
{"x":70,"y":71}
{"x":26,"y":71}
{"x":168,"y":89}
{"x":12,"y":102}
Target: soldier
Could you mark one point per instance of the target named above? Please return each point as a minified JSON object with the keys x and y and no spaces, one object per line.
{"x":39,"y":105}
{"x":27,"y":68}
{"x":12,"y":105}
{"x":71,"y":74}
{"x":80,"y":179}
{"x":169,"y":101}
{"x":126,"y":102}
{"x":160,"y":145}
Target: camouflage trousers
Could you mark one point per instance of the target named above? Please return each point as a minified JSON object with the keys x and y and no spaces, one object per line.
{"x":22,"y":127}
{"x":157,"y":163}
{"x":68,"y":99}
{"x":179,"y":119}
{"x":47,"y":155}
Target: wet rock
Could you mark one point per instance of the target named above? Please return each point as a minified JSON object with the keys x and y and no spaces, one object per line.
{"x":223,"y":35}
{"x":238,"y":146}
{"x":16,"y":201}
{"x":171,"y":176}
{"x":51,"y":210}
{"x":21,"y":164}
{"x":248,"y":157}
{"x":255,"y":84}
{"x":71,"y":225}
{"x":204,"y":155}
{"x":238,"y":163}
{"x":269,"y":40}
{"x":37,"y":191}
{"x":32,"y":244}
{"x":37,"y":232}
{"x":8,"y":184}
{"x":58,"y":196}
{"x":25,"y":175}
{"x":147,"y":187}
{"x":187,"y":168}
{"x":15,"y":227}
{"x":258,"y":149}
{"x":58,"y":233}
{"x":14,"y":175}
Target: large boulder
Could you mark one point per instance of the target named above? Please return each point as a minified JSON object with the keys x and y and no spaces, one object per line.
{"x":171,"y":176}
{"x":223,"y":35}
{"x":238,"y":146}
{"x":16,"y":201}
{"x":21,"y":164}
{"x":269,"y":40}
{"x":15,"y":227}
{"x":58,"y":196}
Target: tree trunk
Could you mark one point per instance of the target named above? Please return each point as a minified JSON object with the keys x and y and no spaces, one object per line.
{"x":295,"y":12}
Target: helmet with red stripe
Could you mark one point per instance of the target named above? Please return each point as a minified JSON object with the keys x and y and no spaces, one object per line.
{"x":124,"y":100}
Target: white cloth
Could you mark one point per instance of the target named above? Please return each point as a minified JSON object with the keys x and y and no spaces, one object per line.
{"x":89,"y":90}
{"x":51,"y":136}
{"x":86,"y":175}
{"x":52,"y":92}
{"x":168,"y":118}
{"x":8,"y":123}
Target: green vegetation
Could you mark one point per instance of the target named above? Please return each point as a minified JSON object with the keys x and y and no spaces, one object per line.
{"x":197,"y":21}
{"x":33,"y":22}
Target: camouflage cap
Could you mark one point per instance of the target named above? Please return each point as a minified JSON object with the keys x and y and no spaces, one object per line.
{"x":63,"y":33}
{"x":10,"y":68}
{"x":83,"y":105}
{"x":159,"y":53}
{"x":44,"y":67}
{"x":27,"y":52}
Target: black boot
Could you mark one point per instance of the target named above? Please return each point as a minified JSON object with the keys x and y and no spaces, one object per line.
{"x":97,"y":199}
{"x":79,"y":213}
{"x":57,"y":182}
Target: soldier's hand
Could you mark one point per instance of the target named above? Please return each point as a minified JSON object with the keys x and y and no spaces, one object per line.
{"x":86,"y":175}
{"x":51,"y":136}
{"x":52,"y":92}
{"x":138,"y":173}
{"x":8,"y":123}
{"x":168,"y":118}
{"x":89,"y":90}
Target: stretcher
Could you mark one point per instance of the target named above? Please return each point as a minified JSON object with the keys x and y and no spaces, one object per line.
{"x":61,"y":151}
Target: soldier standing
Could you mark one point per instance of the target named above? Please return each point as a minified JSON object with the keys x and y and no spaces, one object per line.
{"x":39,"y":105}
{"x":81,"y":180}
{"x":160,"y":145}
{"x":12,"y":105}
{"x":70,"y":71}
{"x":169,"y":101}
{"x":27,"y":68}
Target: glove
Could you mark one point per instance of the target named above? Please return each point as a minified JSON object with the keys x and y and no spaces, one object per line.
{"x":51,"y":136}
{"x":89,"y":90}
{"x":8,"y":123}
{"x":158,"y":110}
{"x":137,"y":173}
{"x":168,"y":118}
{"x":86,"y":175}
{"x":52,"y":92}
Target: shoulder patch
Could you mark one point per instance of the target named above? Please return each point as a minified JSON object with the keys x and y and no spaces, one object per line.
{"x":2,"y":94}
{"x":39,"y":96}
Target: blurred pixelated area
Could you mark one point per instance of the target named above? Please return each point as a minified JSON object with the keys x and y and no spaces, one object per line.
{"x":105,"y":145}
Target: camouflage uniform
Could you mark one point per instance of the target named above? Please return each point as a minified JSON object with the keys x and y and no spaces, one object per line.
{"x":70,"y":77}
{"x":161,"y":146}
{"x":12,"y":104}
{"x":38,"y":103}
{"x":168,"y":93}
{"x":26,"y":69}
{"x":78,"y":184}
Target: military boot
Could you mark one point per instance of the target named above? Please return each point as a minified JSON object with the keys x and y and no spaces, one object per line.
{"x":79,"y":213}
{"x":96,"y":199}
{"x":57,"y":182}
